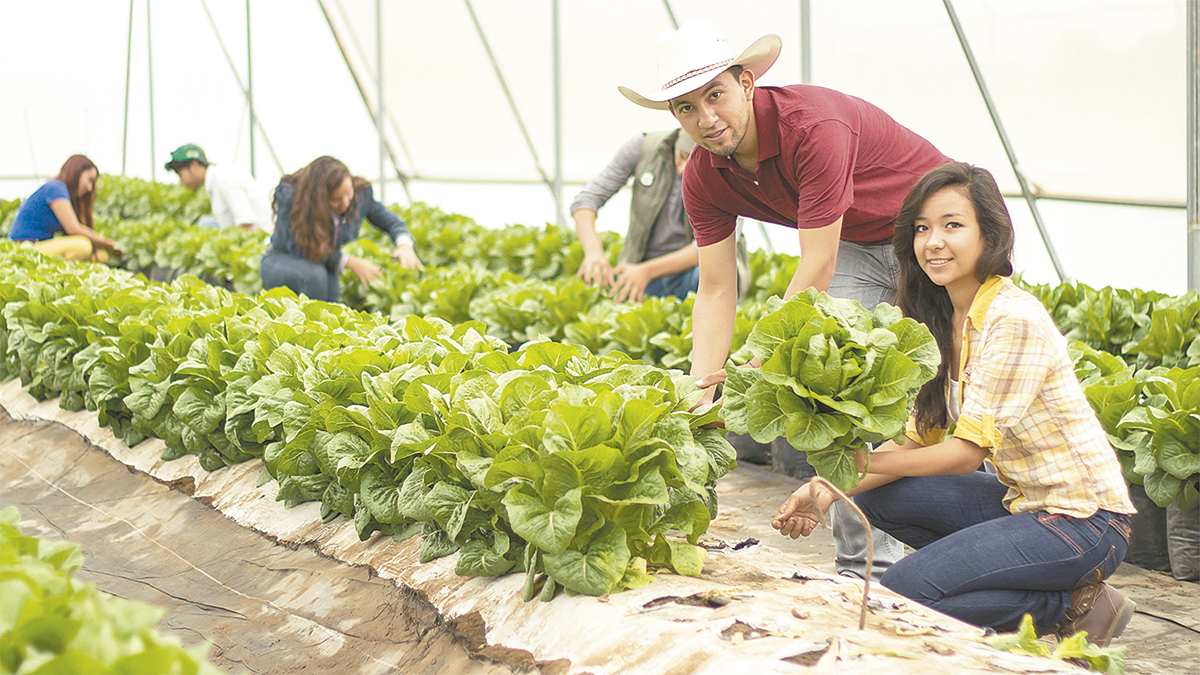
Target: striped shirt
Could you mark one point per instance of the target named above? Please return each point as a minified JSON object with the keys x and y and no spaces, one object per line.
{"x":1020,"y":400}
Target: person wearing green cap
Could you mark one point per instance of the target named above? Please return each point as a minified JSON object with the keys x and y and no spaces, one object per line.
{"x":658,"y":257}
{"x":237,"y":200}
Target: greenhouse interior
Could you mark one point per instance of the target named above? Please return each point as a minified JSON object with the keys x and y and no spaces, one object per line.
{"x":377,"y":336}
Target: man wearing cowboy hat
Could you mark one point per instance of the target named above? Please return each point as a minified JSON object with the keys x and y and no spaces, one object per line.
{"x":831,"y":165}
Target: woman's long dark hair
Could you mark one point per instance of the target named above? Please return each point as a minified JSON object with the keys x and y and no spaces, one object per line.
{"x":70,"y":172}
{"x":311,"y":223}
{"x":918,"y":297}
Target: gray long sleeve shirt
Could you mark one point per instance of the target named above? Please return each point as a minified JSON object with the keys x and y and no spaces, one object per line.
{"x":670,"y":229}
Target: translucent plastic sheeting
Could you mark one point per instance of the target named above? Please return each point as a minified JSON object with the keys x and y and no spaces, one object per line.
{"x":1090,"y":91}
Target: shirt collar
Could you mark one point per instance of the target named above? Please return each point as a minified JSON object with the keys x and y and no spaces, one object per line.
{"x":983,"y":299}
{"x":766,"y":123}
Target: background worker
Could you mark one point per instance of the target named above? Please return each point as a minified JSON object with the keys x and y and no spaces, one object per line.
{"x":63,"y":204}
{"x":318,"y":210}
{"x":658,"y":257}
{"x":237,"y":199}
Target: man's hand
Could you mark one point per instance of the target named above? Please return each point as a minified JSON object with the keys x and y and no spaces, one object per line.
{"x":407,"y":256}
{"x":365,"y":270}
{"x":799,"y":515}
{"x":708,"y":383}
{"x":631,"y":282}
{"x":596,"y":270}
{"x":711,"y":380}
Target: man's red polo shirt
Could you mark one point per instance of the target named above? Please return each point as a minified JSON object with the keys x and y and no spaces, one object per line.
{"x":821,"y":154}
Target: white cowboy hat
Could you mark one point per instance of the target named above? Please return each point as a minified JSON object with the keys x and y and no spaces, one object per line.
{"x":695,"y":55}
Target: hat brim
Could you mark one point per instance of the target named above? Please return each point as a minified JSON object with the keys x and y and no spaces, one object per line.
{"x":757,"y":58}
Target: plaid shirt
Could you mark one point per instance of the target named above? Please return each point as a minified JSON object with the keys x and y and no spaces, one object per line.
{"x":1021,"y":401}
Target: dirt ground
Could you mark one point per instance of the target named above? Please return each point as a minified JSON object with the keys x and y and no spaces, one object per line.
{"x":265,"y":608}
{"x":271,"y":608}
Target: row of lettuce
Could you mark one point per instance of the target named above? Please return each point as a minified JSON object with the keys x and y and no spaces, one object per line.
{"x":550,"y":460}
{"x":53,"y":623}
{"x":153,"y":222}
{"x":1137,"y":355}
{"x":519,"y":282}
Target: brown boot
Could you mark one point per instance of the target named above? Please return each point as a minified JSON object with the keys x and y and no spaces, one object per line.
{"x":1099,"y":609}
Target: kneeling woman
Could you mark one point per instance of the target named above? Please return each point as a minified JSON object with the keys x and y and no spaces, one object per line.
{"x":1040,"y":535}
{"x":317,"y":210}
{"x":62,"y":206}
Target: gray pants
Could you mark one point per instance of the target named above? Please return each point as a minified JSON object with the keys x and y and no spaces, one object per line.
{"x":870,"y":275}
{"x":304,"y":277}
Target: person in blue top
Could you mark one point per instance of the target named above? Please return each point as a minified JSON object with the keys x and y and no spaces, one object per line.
{"x":318,"y":210}
{"x":63,"y":205}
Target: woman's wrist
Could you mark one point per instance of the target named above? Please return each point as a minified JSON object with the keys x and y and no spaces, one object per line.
{"x":820,"y":495}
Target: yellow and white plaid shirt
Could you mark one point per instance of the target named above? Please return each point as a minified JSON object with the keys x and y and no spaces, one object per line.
{"x":1019,"y":399}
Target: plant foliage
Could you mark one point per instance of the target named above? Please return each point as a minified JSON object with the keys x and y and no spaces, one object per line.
{"x":583,"y":471}
{"x":834,"y":377}
{"x":51,"y":623}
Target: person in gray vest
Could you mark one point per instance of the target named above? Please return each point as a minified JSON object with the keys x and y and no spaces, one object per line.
{"x":659,"y":257}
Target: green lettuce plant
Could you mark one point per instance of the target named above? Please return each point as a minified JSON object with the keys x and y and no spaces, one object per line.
{"x":124,"y":198}
{"x":586,"y":472}
{"x":1145,"y":328}
{"x":1107,"y":660}
{"x":1152,"y":419}
{"x":52,"y":623}
{"x":834,"y":377}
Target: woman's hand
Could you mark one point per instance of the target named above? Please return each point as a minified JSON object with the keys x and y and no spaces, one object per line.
{"x":407,"y":256}
{"x":800,"y":515}
{"x":596,"y":270}
{"x":365,"y":270}
{"x":631,"y":282}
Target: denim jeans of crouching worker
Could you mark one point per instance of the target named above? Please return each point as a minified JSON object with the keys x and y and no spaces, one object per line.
{"x":979,"y":563}
{"x":870,"y":275}
{"x":304,"y":277}
{"x":675,"y":285}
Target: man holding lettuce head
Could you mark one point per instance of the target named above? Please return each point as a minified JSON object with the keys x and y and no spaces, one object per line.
{"x":832,"y":166}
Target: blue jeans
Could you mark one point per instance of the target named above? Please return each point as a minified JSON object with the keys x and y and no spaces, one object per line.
{"x":304,"y":277}
{"x":979,"y":563}
{"x":870,"y":275}
{"x":676,"y":285}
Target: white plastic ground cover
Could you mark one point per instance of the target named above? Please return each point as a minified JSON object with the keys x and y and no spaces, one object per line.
{"x":770,"y":615}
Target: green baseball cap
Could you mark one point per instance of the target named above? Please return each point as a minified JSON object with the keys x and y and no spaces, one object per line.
{"x":184,"y":155}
